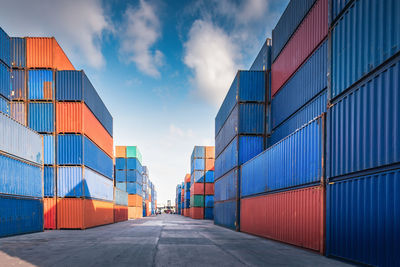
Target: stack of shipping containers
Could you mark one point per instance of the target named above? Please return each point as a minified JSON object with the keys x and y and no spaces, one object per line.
{"x":182,"y":198}
{"x":145,"y":196}
{"x":153,"y":199}
{"x":202,"y":182}
{"x":178,"y":199}
{"x":186,"y":196}
{"x":240,"y":127}
{"x":129,"y":178}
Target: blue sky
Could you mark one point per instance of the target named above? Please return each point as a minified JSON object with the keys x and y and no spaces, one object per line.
{"x":161,"y":67}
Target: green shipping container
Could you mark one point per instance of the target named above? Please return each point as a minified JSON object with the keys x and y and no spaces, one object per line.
{"x":133,"y":152}
{"x":196,"y":201}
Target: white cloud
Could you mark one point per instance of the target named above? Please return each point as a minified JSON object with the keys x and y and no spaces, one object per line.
{"x":141,"y":30}
{"x":213,"y":57}
{"x":77,"y":25}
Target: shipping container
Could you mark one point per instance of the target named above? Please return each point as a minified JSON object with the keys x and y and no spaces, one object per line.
{"x":248,"y":86}
{"x":75,"y":86}
{"x":20,"y":141}
{"x":18,"y":52}
{"x":4,"y":105}
{"x":135,"y":212}
{"x":49,"y":181}
{"x":133,"y":164}
{"x":197,"y":201}
{"x":120,"y":175}
{"x":133,"y":152}
{"x":20,"y":178}
{"x":263,"y":58}
{"x":226,"y":188}
{"x":120,"y":213}
{"x":18,"y":112}
{"x":120,"y":151}
{"x":305,"y":84}
{"x":77,"y":213}
{"x":197,"y":189}
{"x":77,"y":118}
{"x":75,"y":149}
{"x":20,"y":215}
{"x":120,"y":163}
{"x":41,"y":117}
{"x":134,"y":176}
{"x":210,"y":176}
{"x":50,"y":213}
{"x":336,"y":8}
{"x":209,"y":188}
{"x":361,"y":43}
{"x":209,"y":201}
{"x":363,"y":218}
{"x":294,"y":161}
{"x":288,"y":24}
{"x":5,"y":81}
{"x":209,"y":213}
{"x":5,"y":47}
{"x":40,"y":85}
{"x":198,"y":152}
{"x":45,"y":52}
{"x":133,"y":188}
{"x":364,"y":124}
{"x":18,"y":85}
{"x":121,"y":186}
{"x":83,"y":182}
{"x":307,"y":113}
{"x":311,"y":32}
{"x":226,"y":214}
{"x":296,"y":217}
{"x":135,"y":200}
{"x":49,"y":149}
{"x":196,"y":213}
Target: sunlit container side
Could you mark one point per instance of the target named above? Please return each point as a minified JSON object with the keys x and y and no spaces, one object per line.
{"x":18,"y":85}
{"x":121,"y":186}
{"x":41,"y":117}
{"x":135,"y":212}
{"x":263,"y":59}
{"x":45,"y":52}
{"x":225,"y":214}
{"x":248,"y":86}
{"x":226,"y":187}
{"x":198,"y":152}
{"x":134,"y":176}
{"x":40,"y":84}
{"x":120,"y":163}
{"x":309,"y":80}
{"x":296,"y":160}
{"x":49,"y":149}
{"x":120,"y":151}
{"x":75,"y":86}
{"x":135,"y":200}
{"x":311,"y":32}
{"x":50,"y":213}
{"x":4,"y":105}
{"x":5,"y":81}
{"x":5,"y":47}
{"x":363,"y":125}
{"x":74,"y":117}
{"x":20,"y":178}
{"x":313,"y":109}
{"x":296,"y":217}
{"x":20,"y":141}
{"x":246,"y":118}
{"x":361,"y":43}
{"x":133,"y":152}
{"x":363,"y":217}
{"x":49,"y":181}
{"x":120,"y":213}
{"x":288,"y":23}
{"x":77,"y":213}
{"x":20,"y":215}
{"x":133,"y":188}
{"x":210,"y":175}
{"x":18,"y":52}
{"x":133,"y":164}
{"x":18,"y":112}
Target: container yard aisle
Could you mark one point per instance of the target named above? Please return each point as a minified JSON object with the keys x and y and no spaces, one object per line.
{"x":165,"y":240}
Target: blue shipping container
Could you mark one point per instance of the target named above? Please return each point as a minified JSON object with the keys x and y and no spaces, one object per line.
{"x":209,"y":213}
{"x":5,"y":48}
{"x":134,"y":176}
{"x":134,"y":188}
{"x":18,"y":52}
{"x":209,"y":176}
{"x":134,"y":164}
{"x":363,"y":218}
{"x":120,"y":163}
{"x":4,"y":105}
{"x":49,"y":181}
{"x":121,"y":197}
{"x":41,"y":117}
{"x":248,"y":86}
{"x":364,"y":125}
{"x":225,"y":214}
{"x":304,"y":85}
{"x":197,"y":177}
{"x":337,"y":6}
{"x":20,"y":215}
{"x":121,"y":186}
{"x":198,"y":152}
{"x":120,"y":175}
{"x":226,"y":188}
{"x":49,"y":149}
{"x":75,"y":85}
{"x":198,"y":164}
{"x":209,"y":201}
{"x":360,"y":43}
{"x":296,"y":160}
{"x":5,"y":81}
{"x":263,"y":59}
{"x":18,"y":88}
{"x":40,"y":84}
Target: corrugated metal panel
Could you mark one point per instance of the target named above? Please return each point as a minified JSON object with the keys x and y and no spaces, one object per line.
{"x":227,"y":160}
{"x":49,"y":181}
{"x":263,"y":59}
{"x":305,"y":84}
{"x":18,"y":82}
{"x":225,"y":214}
{"x":296,"y":160}
{"x":310,"y":33}
{"x":97,"y":160}
{"x":337,"y":7}
{"x":121,"y":197}
{"x":49,"y":149}
{"x":121,"y":186}
{"x":41,"y":117}
{"x":363,"y":218}
{"x":120,"y":175}
{"x":198,"y":152}
{"x":248,"y":86}
{"x":295,"y":217}
{"x":133,"y":164}
{"x":19,"y":178}
{"x":288,"y":23}
{"x":5,"y":47}
{"x":226,"y":188}
{"x":228,"y":131}
{"x":363,"y":126}
{"x":20,"y":215}
{"x":70,"y":182}
{"x":4,"y":105}
{"x":98,"y":186}
{"x":20,"y":141}
{"x":134,"y":176}
{"x":361,"y":43}
{"x":210,"y":177}
{"x":198,"y":164}
{"x":209,"y":201}
{"x":18,"y":52}
{"x":18,"y":112}
{"x":133,"y":188}
{"x":307,"y":113}
{"x":69,"y":149}
{"x":120,"y":213}
{"x":74,"y":85}
{"x":50,"y":213}
{"x":209,"y":213}
{"x":5,"y":81}
{"x":40,"y":85}
{"x":120,"y":163}
{"x":249,"y":147}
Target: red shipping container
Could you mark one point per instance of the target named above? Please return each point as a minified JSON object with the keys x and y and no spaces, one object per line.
{"x":311,"y":32}
{"x":296,"y":217}
{"x":210,"y":164}
{"x":120,"y":213}
{"x":50,"y":213}
{"x":197,"y":213}
{"x":209,"y":188}
{"x":197,"y":189}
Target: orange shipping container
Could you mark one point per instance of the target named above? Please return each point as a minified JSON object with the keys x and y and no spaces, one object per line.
{"x":72,"y":117}
{"x":197,"y":213}
{"x":209,"y":164}
{"x":78,"y":213}
{"x":135,"y":212}
{"x":210,"y":152}
{"x":45,"y":52}
{"x":209,"y":189}
{"x":120,"y":151}
{"x":135,"y":201}
{"x":120,"y":213}
{"x":187,"y":178}
{"x":50,"y":213}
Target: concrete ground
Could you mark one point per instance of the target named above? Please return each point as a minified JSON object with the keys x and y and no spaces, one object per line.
{"x":164,"y":240}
